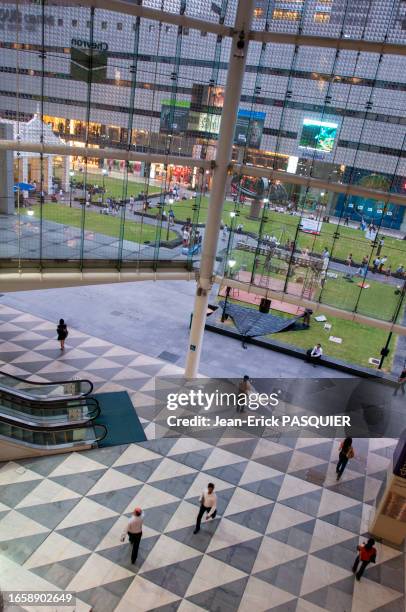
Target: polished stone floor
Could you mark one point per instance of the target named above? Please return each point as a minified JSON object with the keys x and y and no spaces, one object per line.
{"x":286,"y":533}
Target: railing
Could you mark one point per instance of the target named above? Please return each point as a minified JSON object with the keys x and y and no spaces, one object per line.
{"x":41,"y":438}
{"x":43,"y":392}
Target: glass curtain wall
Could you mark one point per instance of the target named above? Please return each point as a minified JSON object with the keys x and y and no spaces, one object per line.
{"x":315,"y":120}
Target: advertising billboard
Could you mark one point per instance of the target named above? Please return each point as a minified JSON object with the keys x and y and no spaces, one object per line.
{"x":249,"y":128}
{"x":174,"y":116}
{"x":207,"y":123}
{"x":318,"y":135}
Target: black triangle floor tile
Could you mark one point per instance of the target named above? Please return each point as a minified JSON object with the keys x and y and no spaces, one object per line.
{"x":60,"y":574}
{"x":256,"y":519}
{"x":162,"y":446}
{"x":157,"y":518}
{"x":298,"y":536}
{"x":121,"y":554}
{"x":243,"y":449}
{"x":80,"y":483}
{"x":142,"y":470}
{"x":389,"y":573}
{"x":106,"y":456}
{"x":43,"y":465}
{"x":175,"y":578}
{"x":225,"y":597}
{"x":105,"y":597}
{"x":177,"y":486}
{"x":13,"y":494}
{"x":308,"y":502}
{"x":199,"y":541}
{"x":398,"y":605}
{"x":88,"y":535}
{"x":195,"y":459}
{"x":51,"y":514}
{"x":269,"y":487}
{"x":342,"y":554}
{"x":335,"y":597}
{"x":241,"y":556}
{"x":287,"y":576}
{"x":19,"y":549}
{"x":117,"y":500}
{"x":229,"y":473}
{"x":279,"y":461}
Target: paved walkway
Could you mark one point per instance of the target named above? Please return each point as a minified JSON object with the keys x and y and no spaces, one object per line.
{"x":286,"y":533}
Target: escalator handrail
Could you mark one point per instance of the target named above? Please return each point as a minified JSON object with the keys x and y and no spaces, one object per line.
{"x":43,"y":426}
{"x":21,"y":393}
{"x":57,"y":402}
{"x":104,"y":433}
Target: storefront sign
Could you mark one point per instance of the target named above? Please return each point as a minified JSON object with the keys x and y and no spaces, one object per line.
{"x":87,"y":44}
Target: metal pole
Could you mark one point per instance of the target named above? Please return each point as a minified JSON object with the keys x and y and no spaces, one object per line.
{"x":235,"y":76}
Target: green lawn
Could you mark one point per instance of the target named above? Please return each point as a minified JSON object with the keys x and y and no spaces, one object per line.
{"x":103,"y":224}
{"x":284,"y":227}
{"x":114,"y":186}
{"x":378,"y":300}
{"x":360,"y":342}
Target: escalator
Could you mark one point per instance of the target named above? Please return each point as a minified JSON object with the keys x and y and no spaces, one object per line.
{"x":47,"y":418}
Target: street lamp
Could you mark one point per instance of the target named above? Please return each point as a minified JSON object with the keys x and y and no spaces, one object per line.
{"x":71,"y":175}
{"x":104,"y":172}
{"x":171,"y":201}
{"x":231,"y":263}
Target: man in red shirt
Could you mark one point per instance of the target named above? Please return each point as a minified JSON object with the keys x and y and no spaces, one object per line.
{"x":366,"y":555}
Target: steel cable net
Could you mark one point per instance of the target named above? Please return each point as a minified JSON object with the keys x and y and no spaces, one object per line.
{"x":320,"y":118}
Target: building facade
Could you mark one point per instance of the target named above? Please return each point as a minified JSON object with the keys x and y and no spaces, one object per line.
{"x":110,"y":79}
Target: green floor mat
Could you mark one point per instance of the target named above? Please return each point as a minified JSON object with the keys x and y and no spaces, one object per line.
{"x":119,"y":416}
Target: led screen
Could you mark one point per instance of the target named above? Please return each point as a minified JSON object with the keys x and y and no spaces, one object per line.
{"x":318,"y":135}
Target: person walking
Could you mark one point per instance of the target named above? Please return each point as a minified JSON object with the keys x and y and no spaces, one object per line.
{"x":134,"y":531}
{"x":62,"y":331}
{"x":346,"y":452}
{"x":366,"y":555}
{"x":208,"y":503}
{"x":401,"y":381}
{"x":244,"y":389}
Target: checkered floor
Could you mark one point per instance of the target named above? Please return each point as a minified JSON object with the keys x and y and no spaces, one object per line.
{"x":286,"y":534}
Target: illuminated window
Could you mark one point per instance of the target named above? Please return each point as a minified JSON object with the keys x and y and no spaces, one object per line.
{"x":286,"y":15}
{"x":322,"y":17}
{"x":258,"y":13}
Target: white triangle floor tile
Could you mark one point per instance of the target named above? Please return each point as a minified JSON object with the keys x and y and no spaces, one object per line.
{"x":228,"y":534}
{"x":76,"y":464}
{"x":12,"y":473}
{"x":211,"y":574}
{"x":112,"y":480}
{"x":47,"y":491}
{"x":167,"y":551}
{"x":149,"y":497}
{"x":86,"y":511}
{"x":96,"y":571}
{"x":273,"y":553}
{"x":319,"y":573}
{"x":135,"y":454}
{"x":258,"y":595}
{"x":55,"y":548}
{"x":143,"y":596}
{"x":15,"y":525}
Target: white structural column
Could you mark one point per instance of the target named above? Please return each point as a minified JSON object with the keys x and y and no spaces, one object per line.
{"x":235,"y":76}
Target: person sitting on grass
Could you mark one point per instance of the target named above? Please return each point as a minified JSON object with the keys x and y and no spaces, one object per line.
{"x":315,"y":354}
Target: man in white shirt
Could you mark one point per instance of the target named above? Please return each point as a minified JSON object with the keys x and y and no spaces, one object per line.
{"x":208,"y":503}
{"x":314,"y":355}
{"x":134,"y":530}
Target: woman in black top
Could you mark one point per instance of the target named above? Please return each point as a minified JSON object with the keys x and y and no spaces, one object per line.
{"x":62,"y":332}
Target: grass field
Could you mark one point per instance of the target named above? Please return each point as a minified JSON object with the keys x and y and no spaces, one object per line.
{"x":378,"y":301}
{"x":103,"y":224}
{"x":360,"y":342}
{"x":114,"y":186}
{"x":284,"y":227}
